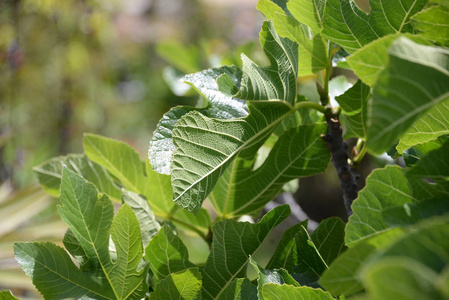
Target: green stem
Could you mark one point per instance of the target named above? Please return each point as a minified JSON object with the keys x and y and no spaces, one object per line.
{"x":360,"y":155}
{"x":309,"y":104}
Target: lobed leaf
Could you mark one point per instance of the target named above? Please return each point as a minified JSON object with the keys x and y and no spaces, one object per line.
{"x":400,"y":100}
{"x":218,"y":105}
{"x":232,"y":244}
{"x":328,"y":239}
{"x":205,"y":147}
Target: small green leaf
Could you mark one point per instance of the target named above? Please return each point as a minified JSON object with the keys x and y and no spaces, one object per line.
{"x":385,"y":188}
{"x":399,"y":100}
{"x":433,"y":23}
{"x":55,"y":275}
{"x":184,"y":285}
{"x":272,"y":291}
{"x":226,"y":261}
{"x":342,"y":276}
{"x":347,"y":25}
{"x":49,"y":174}
{"x":167,"y":254}
{"x":353,"y":104}
{"x":329,"y":238}
{"x":239,"y":289}
{"x":147,"y":221}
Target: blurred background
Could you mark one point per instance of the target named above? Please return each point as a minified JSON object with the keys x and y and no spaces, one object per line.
{"x":106,"y":67}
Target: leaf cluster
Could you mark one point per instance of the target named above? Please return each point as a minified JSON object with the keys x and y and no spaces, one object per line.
{"x":253,"y":134}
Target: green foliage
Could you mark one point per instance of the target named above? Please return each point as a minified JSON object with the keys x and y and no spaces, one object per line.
{"x":250,"y":135}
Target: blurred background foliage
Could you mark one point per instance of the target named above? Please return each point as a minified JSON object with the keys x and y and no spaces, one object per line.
{"x":108,"y":67}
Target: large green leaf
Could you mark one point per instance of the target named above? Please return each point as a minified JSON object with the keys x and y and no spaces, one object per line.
{"x":49,"y":174}
{"x":429,"y":127}
{"x":205,"y":147}
{"x":385,"y":188}
{"x":184,"y":285}
{"x":218,"y":105}
{"x":272,"y":291}
{"x":90,"y":220}
{"x":232,"y":244}
{"x":278,"y":81}
{"x":342,"y":277}
{"x":353,"y":105}
{"x":308,"y":12}
{"x":347,"y":25}
{"x":56,"y":276}
{"x":298,"y":152}
{"x":311,"y":49}
{"x":399,"y":100}
{"x":167,"y":254}
{"x":433,"y":23}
